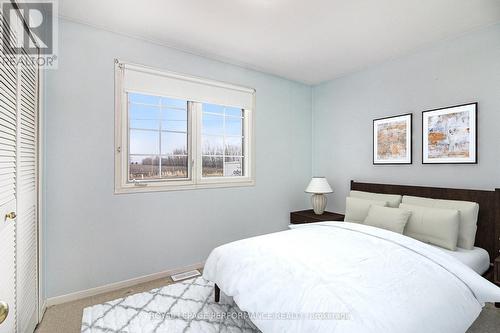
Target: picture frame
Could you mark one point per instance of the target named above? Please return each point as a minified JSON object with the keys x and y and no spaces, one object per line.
{"x":393,"y":140}
{"x":449,"y":135}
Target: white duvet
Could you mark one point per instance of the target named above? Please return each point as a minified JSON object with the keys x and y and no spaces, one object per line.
{"x":362,"y":279}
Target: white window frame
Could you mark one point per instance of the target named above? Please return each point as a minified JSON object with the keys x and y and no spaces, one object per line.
{"x":195,"y":179}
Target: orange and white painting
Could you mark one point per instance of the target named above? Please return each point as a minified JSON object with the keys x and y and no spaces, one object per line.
{"x":392,"y":140}
{"x":449,"y":135}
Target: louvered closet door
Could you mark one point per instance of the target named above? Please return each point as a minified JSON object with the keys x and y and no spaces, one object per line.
{"x":27,"y":233}
{"x":8,"y":166}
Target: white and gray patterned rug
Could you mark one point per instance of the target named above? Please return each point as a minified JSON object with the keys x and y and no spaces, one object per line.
{"x":187,"y":306}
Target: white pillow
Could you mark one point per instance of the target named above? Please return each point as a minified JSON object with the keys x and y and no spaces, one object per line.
{"x":392,"y":219}
{"x":393,"y":200}
{"x":469,"y":212}
{"x":356,"y":209}
{"x":438,"y":226}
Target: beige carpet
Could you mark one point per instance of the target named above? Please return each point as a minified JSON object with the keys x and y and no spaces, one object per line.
{"x":67,"y":318}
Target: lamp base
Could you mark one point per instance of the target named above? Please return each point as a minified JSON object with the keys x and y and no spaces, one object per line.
{"x":319,"y":203}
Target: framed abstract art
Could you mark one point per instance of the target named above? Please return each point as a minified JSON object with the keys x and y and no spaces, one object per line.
{"x":449,"y":135}
{"x":392,"y":140}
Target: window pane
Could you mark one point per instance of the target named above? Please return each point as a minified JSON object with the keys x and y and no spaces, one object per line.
{"x":235,"y":112}
{"x":212,"y":145}
{"x":222,"y":141}
{"x":143,"y":167}
{"x":172,"y":102}
{"x":174,"y":125}
{"x":233,"y":167}
{"x":212,"y":166}
{"x":173,"y":114}
{"x":213,"y":124}
{"x":212,"y":108}
{"x":144,"y":142}
{"x":234,"y":146}
{"x":143,"y":99}
{"x":174,"y":120}
{"x":144,"y":112}
{"x":154,"y":126}
{"x":234,"y":126}
{"x":144,"y":124}
{"x":173,"y":143}
{"x":174,"y":167}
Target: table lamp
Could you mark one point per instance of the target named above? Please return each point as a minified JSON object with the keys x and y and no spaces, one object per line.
{"x":318,"y":187}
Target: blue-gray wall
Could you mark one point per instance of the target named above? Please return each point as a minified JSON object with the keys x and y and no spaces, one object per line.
{"x":456,"y":71}
{"x":93,"y":237}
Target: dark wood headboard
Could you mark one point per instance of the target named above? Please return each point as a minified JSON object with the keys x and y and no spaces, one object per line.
{"x":488,"y":223}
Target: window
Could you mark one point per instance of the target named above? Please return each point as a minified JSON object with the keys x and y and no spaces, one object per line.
{"x":222,"y":141}
{"x":178,"y":132}
{"x":158,"y":138}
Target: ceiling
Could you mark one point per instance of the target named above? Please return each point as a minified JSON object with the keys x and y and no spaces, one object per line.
{"x":310,"y":41}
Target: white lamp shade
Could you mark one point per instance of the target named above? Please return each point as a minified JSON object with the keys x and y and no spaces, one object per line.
{"x":319,"y":185}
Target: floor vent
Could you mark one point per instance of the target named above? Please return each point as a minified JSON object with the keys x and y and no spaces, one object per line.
{"x":185,"y":275}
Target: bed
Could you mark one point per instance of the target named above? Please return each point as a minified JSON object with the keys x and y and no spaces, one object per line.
{"x":477,"y":259}
{"x":358,"y":278}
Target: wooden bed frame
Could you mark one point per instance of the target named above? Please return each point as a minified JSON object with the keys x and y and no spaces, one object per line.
{"x":488,"y":222}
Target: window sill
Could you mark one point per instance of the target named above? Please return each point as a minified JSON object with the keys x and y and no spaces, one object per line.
{"x":207,"y":184}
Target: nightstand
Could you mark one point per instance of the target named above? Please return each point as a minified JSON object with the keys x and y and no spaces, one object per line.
{"x":496,"y":275}
{"x":496,"y":271}
{"x":308,"y":216}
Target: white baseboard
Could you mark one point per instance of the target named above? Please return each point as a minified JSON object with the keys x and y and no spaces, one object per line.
{"x":43,"y":308}
{"x":118,"y":285}
{"x":41,"y":311}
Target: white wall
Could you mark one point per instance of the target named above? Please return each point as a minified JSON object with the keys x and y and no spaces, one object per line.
{"x":93,"y":237}
{"x":465,"y":69}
